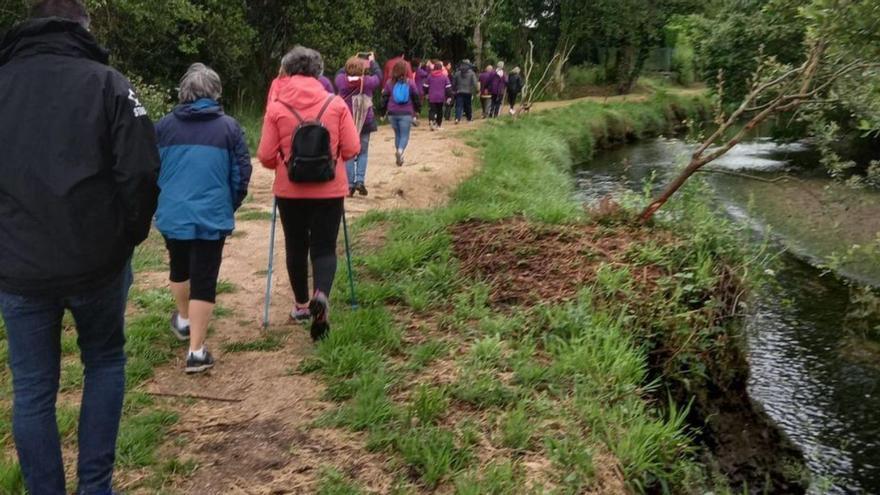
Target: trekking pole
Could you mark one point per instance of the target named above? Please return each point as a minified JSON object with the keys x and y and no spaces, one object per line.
{"x":353,"y":301}
{"x":271,"y":264}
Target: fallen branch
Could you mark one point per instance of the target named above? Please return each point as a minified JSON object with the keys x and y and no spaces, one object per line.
{"x":193,"y":396}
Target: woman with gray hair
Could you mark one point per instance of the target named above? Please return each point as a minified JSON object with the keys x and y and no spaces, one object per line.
{"x":311,"y":212}
{"x":204,"y":178}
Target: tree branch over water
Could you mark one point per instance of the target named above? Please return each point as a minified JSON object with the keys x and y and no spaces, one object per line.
{"x":774,"y":89}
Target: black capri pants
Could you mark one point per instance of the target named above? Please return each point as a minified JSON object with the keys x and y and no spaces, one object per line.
{"x":311,"y":229}
{"x":197,"y":261}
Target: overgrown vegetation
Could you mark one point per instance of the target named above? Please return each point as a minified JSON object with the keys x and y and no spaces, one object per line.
{"x":581,"y":385}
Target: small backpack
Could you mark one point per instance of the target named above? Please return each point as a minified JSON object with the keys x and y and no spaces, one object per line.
{"x":311,"y":159}
{"x":400,"y":93}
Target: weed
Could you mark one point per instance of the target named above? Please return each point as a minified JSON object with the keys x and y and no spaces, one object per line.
{"x":226,"y":287}
{"x":498,"y":478}
{"x":11,"y":479}
{"x":573,"y":459}
{"x":250,"y":215}
{"x":333,"y":482}
{"x":266,"y":343}
{"x":432,"y":453}
{"x":140,"y":436}
{"x":423,"y":354}
{"x":428,"y":403}
{"x":517,"y":428}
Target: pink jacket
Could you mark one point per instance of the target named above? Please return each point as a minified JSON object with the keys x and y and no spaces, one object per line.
{"x":307,"y":95}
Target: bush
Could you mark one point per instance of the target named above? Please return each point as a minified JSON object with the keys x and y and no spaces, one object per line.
{"x":683,"y":63}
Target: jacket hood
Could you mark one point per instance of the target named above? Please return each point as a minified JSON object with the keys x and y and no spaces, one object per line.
{"x":203,"y":109}
{"x":465,"y":68}
{"x":51,"y":35}
{"x":438,"y":72}
{"x":303,"y":90}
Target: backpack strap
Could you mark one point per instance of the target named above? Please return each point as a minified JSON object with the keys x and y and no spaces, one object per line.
{"x":324,"y":108}
{"x":292,"y":110}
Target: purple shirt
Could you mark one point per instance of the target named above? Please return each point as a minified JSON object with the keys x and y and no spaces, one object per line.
{"x":408,"y":108}
{"x":485,"y":79}
{"x":327,"y":85}
{"x":438,"y":87}
{"x":351,"y":87}
{"x":498,"y":83}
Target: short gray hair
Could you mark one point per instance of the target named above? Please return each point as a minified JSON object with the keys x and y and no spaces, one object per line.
{"x":200,"y":81}
{"x":302,"y":61}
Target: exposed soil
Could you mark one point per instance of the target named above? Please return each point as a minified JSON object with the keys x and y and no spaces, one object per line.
{"x":527,"y":264}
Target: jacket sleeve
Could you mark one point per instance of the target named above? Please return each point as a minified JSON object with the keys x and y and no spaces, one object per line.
{"x":349,"y":140}
{"x":449,"y":91}
{"x":270,"y":142}
{"x":135,"y":159}
{"x":241,"y":170}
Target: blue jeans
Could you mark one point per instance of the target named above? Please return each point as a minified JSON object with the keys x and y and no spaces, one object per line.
{"x":464,"y":103}
{"x":33,"y":327}
{"x":401,"y":125}
{"x":356,"y":168}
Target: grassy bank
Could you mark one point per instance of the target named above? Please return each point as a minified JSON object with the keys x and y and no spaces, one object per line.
{"x":477,"y":364}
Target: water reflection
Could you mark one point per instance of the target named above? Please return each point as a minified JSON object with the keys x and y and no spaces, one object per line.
{"x":827,"y":402}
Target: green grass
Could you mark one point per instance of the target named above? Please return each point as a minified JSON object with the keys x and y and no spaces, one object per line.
{"x":250,"y":214}
{"x":562,"y":382}
{"x":266,"y":343}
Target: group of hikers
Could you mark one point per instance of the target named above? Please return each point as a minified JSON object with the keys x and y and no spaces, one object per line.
{"x":85,"y":173}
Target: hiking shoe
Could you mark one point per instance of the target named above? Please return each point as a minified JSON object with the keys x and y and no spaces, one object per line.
{"x":300,"y":315}
{"x":361,"y":189}
{"x":319,"y":308}
{"x":180,"y":333}
{"x":196,"y":365}
{"x":351,"y":190}
{"x":399,"y":157}
{"x":457,"y":121}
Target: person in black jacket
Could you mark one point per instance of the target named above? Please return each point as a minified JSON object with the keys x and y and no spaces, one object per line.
{"x":514,"y":88}
{"x":78,"y":174}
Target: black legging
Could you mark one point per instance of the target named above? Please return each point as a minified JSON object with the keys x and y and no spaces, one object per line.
{"x":311,"y":226}
{"x":497,"y":102}
{"x":511,"y":99}
{"x":435,"y":113}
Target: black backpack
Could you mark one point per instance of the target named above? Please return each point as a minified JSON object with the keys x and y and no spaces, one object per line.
{"x":311,"y":159}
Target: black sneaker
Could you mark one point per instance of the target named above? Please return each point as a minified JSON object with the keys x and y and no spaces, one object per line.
{"x":195,"y":365}
{"x":361,"y":189}
{"x":180,"y":333}
{"x":351,"y":190}
{"x":319,"y":307}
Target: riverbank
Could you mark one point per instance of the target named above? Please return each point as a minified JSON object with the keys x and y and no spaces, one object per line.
{"x":513,"y":341}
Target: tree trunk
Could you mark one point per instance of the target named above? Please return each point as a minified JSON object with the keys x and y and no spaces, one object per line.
{"x":478,"y":44}
{"x":562,"y":50}
{"x":632,"y":77}
{"x":623,"y":66}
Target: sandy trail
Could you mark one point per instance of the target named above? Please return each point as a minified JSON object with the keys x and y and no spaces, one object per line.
{"x":259,"y":439}
{"x":258,"y":436}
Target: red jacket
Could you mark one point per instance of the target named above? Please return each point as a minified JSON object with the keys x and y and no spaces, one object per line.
{"x":389,"y":67}
{"x":307,"y":95}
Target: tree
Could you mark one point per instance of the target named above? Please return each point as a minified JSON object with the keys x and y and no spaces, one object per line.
{"x":833,"y":55}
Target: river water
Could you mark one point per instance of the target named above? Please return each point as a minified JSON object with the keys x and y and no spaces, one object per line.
{"x":808,"y":371}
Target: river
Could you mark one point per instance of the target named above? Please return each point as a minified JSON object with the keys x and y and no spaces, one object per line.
{"x":807,"y":369}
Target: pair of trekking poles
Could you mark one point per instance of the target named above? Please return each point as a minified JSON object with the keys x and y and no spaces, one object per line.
{"x":271,"y":266}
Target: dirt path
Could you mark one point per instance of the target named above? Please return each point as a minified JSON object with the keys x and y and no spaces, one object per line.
{"x":258,"y":436}
{"x":263,"y":441}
